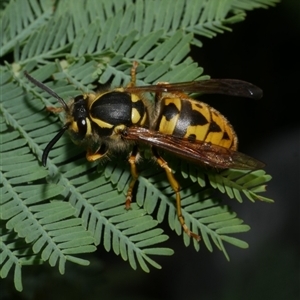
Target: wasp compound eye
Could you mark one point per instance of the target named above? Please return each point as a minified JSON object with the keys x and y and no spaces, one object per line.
{"x":82,"y":128}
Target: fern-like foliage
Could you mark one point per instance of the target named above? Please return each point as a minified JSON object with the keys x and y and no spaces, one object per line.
{"x":58,"y":213}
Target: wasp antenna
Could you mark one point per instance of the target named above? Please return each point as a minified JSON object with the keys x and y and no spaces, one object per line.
{"x":48,"y":90}
{"x":52,"y":143}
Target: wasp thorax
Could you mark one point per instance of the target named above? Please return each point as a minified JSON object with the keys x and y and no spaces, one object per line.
{"x":116,"y":108}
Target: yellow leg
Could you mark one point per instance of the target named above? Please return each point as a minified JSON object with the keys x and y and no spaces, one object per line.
{"x":134,"y":174}
{"x":132,"y":158}
{"x":175,"y":94}
{"x":93,"y":156}
{"x":175,"y":186}
{"x":158,"y":95}
{"x":54,"y":110}
{"x":133,"y":74}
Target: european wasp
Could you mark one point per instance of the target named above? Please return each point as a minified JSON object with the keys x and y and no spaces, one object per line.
{"x":123,"y":118}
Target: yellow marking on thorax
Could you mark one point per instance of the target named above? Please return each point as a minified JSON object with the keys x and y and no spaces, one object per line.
{"x":135,"y":115}
{"x":101,"y":123}
{"x":135,"y":98}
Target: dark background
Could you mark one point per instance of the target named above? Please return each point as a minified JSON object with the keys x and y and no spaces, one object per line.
{"x":262,"y":50}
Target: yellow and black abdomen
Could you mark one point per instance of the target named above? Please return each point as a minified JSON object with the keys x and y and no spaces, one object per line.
{"x":196,"y":121}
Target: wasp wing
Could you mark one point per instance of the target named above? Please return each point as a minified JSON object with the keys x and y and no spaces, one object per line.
{"x":232,"y":87}
{"x":198,"y":152}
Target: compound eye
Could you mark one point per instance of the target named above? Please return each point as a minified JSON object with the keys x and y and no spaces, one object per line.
{"x":82,"y":127}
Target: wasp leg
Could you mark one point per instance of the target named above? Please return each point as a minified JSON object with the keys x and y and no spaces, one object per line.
{"x":134,"y":174}
{"x":158,"y":95}
{"x":54,"y":110}
{"x":133,"y":74}
{"x":175,"y":94}
{"x":93,"y":156}
{"x":175,"y":186}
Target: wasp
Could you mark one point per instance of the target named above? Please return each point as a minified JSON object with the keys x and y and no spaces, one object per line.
{"x":121,"y":119}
